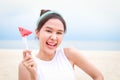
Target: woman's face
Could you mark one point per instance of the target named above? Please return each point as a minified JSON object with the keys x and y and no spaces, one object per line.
{"x":51,"y":35}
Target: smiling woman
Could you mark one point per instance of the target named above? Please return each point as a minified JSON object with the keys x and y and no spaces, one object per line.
{"x":52,"y":62}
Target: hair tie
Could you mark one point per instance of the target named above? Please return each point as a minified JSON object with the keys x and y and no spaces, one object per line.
{"x":44,"y":15}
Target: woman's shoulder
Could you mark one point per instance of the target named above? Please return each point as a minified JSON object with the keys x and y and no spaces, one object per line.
{"x":70,"y":50}
{"x":71,"y":53}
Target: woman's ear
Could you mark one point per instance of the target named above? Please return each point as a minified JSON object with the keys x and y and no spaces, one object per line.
{"x":37,"y":33}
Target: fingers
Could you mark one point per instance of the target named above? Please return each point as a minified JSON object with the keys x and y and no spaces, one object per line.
{"x":26,"y":53}
{"x":29,"y":63}
{"x":27,"y":58}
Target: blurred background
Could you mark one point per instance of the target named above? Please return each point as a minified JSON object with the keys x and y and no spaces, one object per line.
{"x":91,"y":24}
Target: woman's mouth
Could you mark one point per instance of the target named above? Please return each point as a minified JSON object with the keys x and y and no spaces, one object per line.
{"x":51,"y":45}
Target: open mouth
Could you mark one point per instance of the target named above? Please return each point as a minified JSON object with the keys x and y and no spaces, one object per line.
{"x":51,"y":44}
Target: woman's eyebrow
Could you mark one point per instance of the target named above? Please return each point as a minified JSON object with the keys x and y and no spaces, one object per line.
{"x":48,"y":27}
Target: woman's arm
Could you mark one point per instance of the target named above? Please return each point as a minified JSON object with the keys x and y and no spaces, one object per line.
{"x":82,"y":62}
{"x":27,"y":68}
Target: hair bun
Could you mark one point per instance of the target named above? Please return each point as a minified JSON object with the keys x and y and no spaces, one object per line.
{"x":43,"y":11}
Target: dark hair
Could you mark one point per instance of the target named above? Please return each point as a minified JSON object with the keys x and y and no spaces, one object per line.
{"x":44,"y":18}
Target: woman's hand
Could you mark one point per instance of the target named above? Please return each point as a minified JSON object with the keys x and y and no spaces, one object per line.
{"x":29,"y":64}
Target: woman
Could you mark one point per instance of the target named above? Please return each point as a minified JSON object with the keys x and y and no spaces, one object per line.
{"x":51,"y":62}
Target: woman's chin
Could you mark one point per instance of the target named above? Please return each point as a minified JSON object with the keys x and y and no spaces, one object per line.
{"x":51,"y":49}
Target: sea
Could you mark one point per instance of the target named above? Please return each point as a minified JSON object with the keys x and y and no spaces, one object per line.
{"x":82,"y":45}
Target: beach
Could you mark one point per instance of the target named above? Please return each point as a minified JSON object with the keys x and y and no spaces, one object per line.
{"x":106,"y":61}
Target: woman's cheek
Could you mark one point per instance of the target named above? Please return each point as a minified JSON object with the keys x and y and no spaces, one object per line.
{"x":60,"y":39}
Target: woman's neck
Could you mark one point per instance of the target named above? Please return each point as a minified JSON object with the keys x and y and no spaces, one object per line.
{"x":45,"y":56}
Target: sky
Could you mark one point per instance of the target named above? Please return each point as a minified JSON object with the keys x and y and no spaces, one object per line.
{"x":87,"y":20}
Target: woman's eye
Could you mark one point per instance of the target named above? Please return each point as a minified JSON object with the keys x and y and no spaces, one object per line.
{"x":59,"y":32}
{"x":48,"y":31}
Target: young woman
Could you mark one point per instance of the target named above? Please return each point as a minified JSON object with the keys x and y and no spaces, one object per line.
{"x":51,"y":62}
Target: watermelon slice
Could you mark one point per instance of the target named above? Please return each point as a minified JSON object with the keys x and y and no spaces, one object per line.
{"x":24,"y":32}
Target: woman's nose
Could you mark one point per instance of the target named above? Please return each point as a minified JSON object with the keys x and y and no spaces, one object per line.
{"x":54,"y":36}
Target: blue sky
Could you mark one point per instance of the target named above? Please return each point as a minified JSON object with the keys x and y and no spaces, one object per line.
{"x":87,"y":20}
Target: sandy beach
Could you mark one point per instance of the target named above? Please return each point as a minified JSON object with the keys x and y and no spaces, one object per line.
{"x":106,"y":61}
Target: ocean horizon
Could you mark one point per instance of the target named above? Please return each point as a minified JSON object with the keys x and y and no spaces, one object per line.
{"x":82,"y":45}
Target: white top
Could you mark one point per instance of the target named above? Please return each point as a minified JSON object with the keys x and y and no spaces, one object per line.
{"x":59,"y":68}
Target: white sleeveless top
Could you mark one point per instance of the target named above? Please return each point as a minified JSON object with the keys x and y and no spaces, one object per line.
{"x":59,"y":68}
